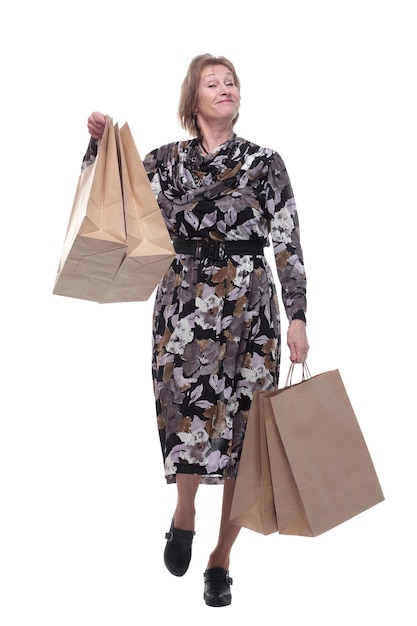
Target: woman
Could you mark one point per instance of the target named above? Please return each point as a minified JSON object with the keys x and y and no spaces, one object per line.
{"x":216,"y":332}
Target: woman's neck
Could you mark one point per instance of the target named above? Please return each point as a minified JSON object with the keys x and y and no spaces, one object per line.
{"x":211,"y":138}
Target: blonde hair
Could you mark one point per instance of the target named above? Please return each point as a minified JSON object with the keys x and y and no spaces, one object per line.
{"x":189,"y":90}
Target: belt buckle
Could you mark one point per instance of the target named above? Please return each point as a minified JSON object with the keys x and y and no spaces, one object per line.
{"x":199,"y":249}
{"x":215,"y":250}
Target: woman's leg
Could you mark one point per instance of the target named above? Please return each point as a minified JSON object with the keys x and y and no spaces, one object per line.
{"x":228,"y":532}
{"x":177,"y":552}
{"x":187,"y":485}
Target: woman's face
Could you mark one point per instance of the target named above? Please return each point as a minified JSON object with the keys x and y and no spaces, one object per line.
{"x":218,"y":97}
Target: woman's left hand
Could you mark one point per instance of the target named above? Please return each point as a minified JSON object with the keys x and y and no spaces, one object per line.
{"x":297,"y":341}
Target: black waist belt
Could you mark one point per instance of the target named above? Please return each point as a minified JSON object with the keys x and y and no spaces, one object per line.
{"x":216,"y":250}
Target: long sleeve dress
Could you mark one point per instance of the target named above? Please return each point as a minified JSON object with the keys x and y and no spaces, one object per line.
{"x":216,"y":323}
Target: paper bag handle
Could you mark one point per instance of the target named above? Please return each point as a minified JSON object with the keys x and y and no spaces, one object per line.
{"x":305,"y":373}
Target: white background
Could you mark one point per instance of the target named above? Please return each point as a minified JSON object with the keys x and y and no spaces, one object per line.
{"x":84,"y":505}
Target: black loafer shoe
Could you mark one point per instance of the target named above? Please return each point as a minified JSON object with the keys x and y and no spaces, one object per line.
{"x":217,"y":587}
{"x":177,"y":553}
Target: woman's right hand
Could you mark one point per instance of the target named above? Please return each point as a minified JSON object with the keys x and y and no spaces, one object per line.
{"x":96,"y":124}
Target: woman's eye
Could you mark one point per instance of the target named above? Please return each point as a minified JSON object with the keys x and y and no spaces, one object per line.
{"x":228,"y":84}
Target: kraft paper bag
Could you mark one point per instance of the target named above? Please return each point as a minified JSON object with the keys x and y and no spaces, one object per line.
{"x":149,"y":248}
{"x":319,"y":465}
{"x":288,"y":506}
{"x":333,"y":476}
{"x":253,"y":499}
{"x":95,"y":242}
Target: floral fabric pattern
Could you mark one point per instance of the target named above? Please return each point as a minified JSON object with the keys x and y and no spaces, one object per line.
{"x":216,"y":324}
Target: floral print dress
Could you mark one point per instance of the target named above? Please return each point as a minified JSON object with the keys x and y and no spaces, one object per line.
{"x":216,"y":323}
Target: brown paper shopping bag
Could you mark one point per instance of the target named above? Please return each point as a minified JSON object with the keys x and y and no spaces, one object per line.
{"x":95,"y":242}
{"x":288,"y":507}
{"x":305,"y":467}
{"x":150,"y":250}
{"x":321,"y":469}
{"x":253,"y":499}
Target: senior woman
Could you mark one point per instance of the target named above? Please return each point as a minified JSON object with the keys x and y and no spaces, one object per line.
{"x":216,"y":325}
